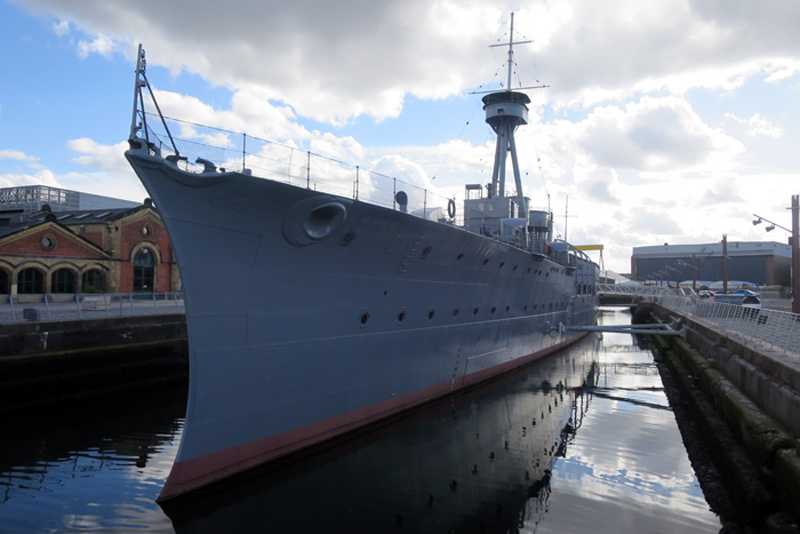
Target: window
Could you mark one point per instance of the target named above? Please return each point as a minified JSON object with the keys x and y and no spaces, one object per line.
{"x":4,"y":280}
{"x":30,"y":281}
{"x":48,"y":242}
{"x":143,"y":271}
{"x":93,"y":282}
{"x":62,"y":281}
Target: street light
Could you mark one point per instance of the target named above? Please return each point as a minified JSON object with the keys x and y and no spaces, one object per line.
{"x":759,"y":219}
{"x":795,"y":242}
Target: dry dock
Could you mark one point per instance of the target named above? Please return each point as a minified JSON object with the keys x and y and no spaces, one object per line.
{"x":746,"y":405}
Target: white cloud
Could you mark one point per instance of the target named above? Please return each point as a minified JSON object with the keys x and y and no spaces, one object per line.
{"x":624,"y":133}
{"x":654,"y":134}
{"x":61,"y":27}
{"x":758,"y":125}
{"x":101,"y":45}
{"x":362,"y":57}
{"x":17,"y":155}
{"x":43,"y":177}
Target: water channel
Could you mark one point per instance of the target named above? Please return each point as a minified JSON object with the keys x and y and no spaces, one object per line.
{"x":583,"y":442}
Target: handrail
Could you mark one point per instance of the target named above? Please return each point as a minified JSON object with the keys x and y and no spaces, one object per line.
{"x":765,"y":329}
{"x":65,"y":307}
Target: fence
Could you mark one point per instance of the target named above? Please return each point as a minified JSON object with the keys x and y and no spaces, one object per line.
{"x":765,"y":329}
{"x":20,"y":308}
{"x":220,"y":149}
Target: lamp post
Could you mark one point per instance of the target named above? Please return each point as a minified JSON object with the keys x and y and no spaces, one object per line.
{"x":795,"y":244}
{"x":724,"y":263}
{"x":795,"y":254}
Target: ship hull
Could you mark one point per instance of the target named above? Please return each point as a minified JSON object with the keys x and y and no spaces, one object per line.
{"x":311,"y":315}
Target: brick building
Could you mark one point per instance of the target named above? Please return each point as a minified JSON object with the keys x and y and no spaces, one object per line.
{"x":121,"y":250}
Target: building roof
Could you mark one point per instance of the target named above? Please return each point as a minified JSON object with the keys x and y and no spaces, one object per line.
{"x":735,"y":248}
{"x":18,"y":221}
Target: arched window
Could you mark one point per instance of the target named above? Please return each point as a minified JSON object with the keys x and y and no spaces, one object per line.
{"x":5,"y":282}
{"x":30,"y":281}
{"x":93,"y":281}
{"x":62,"y":281}
{"x":143,"y":271}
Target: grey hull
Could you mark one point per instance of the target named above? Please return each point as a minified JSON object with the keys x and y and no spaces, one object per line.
{"x":310,"y":315}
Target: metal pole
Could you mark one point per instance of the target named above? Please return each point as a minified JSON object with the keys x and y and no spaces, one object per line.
{"x":140,"y":62}
{"x":724,"y":263}
{"x":308,"y":171}
{"x":795,"y":254}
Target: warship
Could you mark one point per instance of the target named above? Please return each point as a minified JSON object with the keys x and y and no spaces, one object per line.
{"x":322,"y":298}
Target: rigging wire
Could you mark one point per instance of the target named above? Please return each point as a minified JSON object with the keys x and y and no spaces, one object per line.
{"x":460,"y":134}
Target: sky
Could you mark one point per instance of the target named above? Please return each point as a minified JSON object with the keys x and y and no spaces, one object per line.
{"x":662,"y":122}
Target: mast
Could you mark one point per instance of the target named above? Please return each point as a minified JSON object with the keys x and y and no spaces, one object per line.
{"x":505,"y":111}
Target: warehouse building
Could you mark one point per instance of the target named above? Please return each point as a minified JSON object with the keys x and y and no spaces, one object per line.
{"x":761,"y":263}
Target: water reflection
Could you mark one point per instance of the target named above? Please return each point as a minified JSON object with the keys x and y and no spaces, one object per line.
{"x":584,"y":442}
{"x":627,"y":469}
{"x":474,"y":463}
{"x":93,"y":467}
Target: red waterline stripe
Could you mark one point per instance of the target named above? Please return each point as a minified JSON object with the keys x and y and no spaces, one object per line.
{"x":202,"y":471}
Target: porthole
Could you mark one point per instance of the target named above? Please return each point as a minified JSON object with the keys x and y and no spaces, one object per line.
{"x":460,"y":257}
{"x":528,"y":271}
{"x":426,"y":252}
{"x":401,"y":316}
{"x":501,"y":264}
{"x":48,"y":242}
{"x":147,"y":230}
{"x":514,"y":268}
{"x":525,"y":308}
{"x":485,"y":261}
{"x":455,"y":313}
{"x":508,"y":308}
{"x":494,"y":309}
{"x":431,"y":313}
{"x":475,"y":311}
{"x":364,"y":318}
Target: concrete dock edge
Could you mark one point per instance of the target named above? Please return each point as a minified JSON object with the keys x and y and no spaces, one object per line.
{"x":755,"y":452}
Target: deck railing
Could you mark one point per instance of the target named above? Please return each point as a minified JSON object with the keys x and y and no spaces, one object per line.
{"x":58,"y":307}
{"x":222,"y":150}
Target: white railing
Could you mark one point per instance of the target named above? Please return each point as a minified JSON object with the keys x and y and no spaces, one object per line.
{"x":643,"y":291}
{"x":765,"y":329}
{"x":55,"y":307}
{"x":301,"y":167}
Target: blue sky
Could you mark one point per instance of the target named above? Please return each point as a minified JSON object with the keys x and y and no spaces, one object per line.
{"x":663,"y":122}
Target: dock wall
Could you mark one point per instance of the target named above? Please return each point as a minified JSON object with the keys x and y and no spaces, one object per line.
{"x":48,"y":362}
{"x":748,"y":404}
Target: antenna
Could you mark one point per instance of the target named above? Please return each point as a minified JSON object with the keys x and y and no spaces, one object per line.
{"x":510,"y":46}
